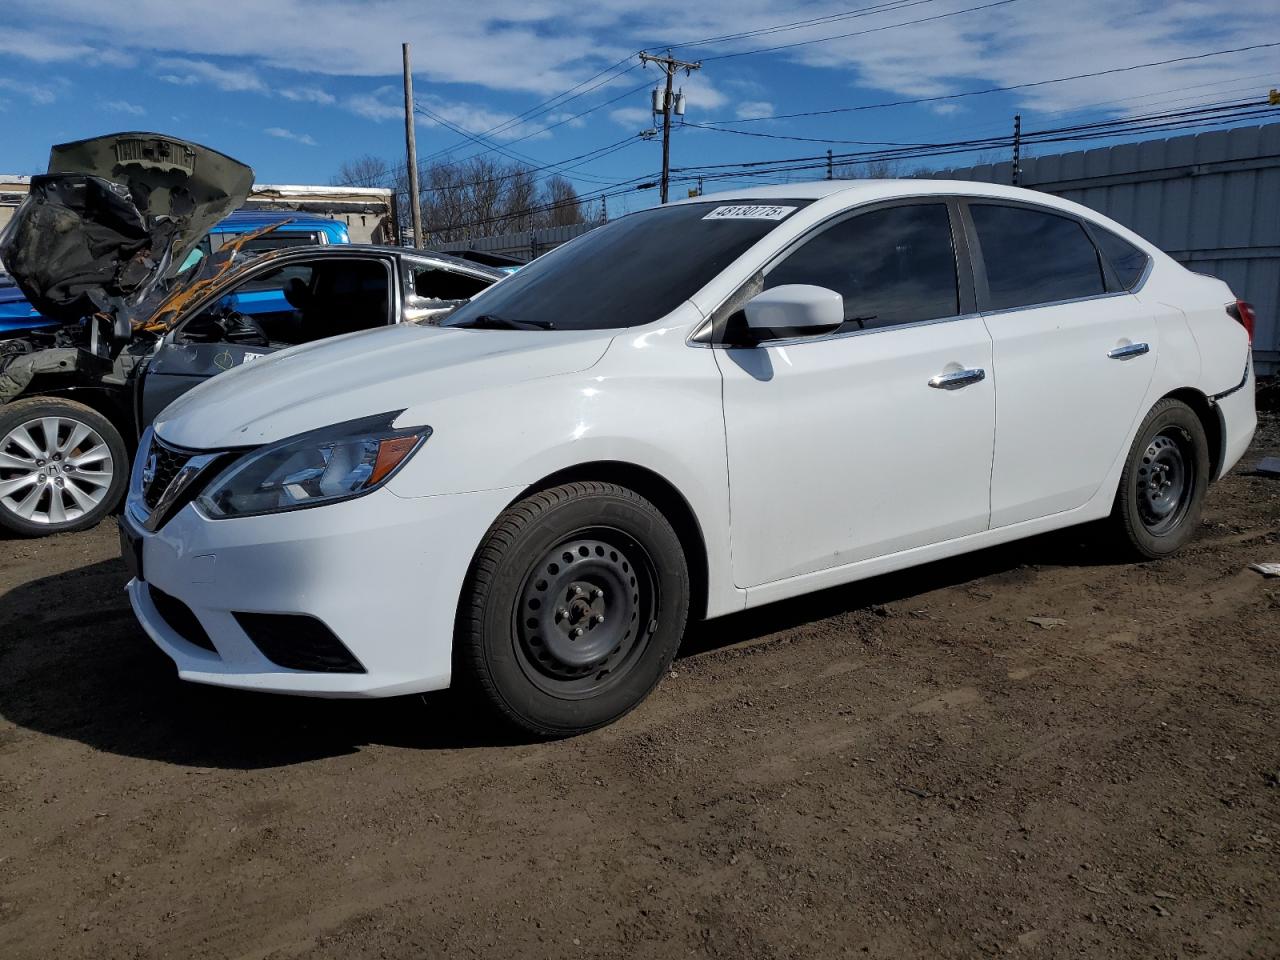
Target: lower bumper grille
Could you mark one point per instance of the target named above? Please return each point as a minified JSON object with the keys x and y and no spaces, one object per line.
{"x":181,"y":619}
{"x":298,"y":642}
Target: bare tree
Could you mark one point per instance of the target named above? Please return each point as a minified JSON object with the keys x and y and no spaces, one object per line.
{"x":564,"y":207}
{"x":478,"y":197}
{"x":364,"y":171}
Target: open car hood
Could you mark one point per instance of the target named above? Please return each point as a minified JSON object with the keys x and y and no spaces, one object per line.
{"x":112,"y":217}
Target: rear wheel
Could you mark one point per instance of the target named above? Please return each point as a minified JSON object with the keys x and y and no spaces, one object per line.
{"x":574,"y":608}
{"x":63,"y":466}
{"x":1164,"y":482}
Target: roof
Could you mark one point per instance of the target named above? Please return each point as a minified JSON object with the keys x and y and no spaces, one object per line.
{"x":818,"y":189}
{"x":246,"y":220}
{"x":346,"y":249}
{"x":301,"y":189}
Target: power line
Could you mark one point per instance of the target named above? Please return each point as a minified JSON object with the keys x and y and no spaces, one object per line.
{"x":553,"y":102}
{"x":860,"y":33}
{"x":1098,"y":130}
{"x":1004,"y":89}
{"x":888,"y":7}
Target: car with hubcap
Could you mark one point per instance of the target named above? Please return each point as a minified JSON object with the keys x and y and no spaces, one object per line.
{"x":110,"y":234}
{"x":690,"y":411}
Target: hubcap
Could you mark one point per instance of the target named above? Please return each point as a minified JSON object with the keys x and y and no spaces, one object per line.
{"x":586,"y":613}
{"x":53,"y":470}
{"x":1165,"y":480}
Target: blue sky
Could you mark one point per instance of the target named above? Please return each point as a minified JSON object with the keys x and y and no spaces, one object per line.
{"x":294,"y":87}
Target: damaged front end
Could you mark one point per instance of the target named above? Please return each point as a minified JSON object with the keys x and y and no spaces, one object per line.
{"x":98,"y":244}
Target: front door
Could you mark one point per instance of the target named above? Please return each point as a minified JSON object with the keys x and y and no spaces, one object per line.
{"x":879,"y":437}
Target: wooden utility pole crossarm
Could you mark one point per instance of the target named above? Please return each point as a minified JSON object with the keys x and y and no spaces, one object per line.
{"x":669,"y":66}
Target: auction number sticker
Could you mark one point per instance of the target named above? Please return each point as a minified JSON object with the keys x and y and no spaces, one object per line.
{"x":749,"y":212}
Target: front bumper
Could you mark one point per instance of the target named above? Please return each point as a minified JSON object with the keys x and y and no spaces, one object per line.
{"x":382,"y":572}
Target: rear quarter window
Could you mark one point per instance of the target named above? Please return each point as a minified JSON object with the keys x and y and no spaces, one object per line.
{"x":1128,"y":262}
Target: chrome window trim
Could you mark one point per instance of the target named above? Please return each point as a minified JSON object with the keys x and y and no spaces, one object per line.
{"x":1056,"y":303}
{"x":838,"y":335}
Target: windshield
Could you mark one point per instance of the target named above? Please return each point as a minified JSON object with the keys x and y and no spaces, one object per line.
{"x":628,"y":272}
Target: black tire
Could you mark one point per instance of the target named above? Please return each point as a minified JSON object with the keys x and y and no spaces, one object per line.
{"x":585,"y":550}
{"x":1165,"y":478}
{"x":84,"y":497}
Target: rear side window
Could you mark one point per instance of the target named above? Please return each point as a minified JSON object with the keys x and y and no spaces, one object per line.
{"x":1126,"y":260}
{"x":1033,"y":256}
{"x":892,"y":266}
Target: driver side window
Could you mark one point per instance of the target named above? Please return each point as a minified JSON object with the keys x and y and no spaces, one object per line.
{"x":298,"y":302}
{"x":893,"y":266}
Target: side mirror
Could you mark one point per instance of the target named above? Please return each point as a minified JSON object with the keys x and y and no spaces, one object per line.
{"x":794,"y":310}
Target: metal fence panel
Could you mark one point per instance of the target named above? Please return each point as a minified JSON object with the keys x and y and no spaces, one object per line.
{"x":1211,"y":200}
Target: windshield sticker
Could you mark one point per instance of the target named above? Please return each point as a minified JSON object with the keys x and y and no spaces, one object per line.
{"x":749,"y":212}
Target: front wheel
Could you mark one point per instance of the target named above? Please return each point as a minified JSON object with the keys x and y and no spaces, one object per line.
{"x":63,"y":466}
{"x":574,"y":608}
{"x":1164,"y":482}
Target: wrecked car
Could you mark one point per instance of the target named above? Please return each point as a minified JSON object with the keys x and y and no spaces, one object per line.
{"x":287,"y":229}
{"x":103,"y":235}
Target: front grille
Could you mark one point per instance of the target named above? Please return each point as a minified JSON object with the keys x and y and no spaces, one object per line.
{"x":298,"y":642}
{"x":181,"y":619}
{"x":162,"y":466}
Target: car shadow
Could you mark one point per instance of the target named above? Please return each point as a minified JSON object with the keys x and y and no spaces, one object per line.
{"x":74,"y":664}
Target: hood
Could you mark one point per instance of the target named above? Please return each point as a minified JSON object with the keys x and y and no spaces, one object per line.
{"x":112,"y":217}
{"x":363,"y":374}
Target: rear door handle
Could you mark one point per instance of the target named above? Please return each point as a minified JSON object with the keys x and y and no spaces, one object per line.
{"x":957,"y":379}
{"x":1128,"y":351}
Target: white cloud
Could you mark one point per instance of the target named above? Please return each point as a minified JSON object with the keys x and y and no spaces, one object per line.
{"x":285,"y":134}
{"x":539,"y":47}
{"x":754,"y":110}
{"x":38,"y":93}
{"x":233,"y":79}
{"x":376,"y":105}
{"x":633,"y":118}
{"x":40,"y":48}
{"x":308,"y":95}
{"x":124,"y":106}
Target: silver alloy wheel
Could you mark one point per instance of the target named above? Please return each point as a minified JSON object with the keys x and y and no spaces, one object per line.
{"x":54,"y":470}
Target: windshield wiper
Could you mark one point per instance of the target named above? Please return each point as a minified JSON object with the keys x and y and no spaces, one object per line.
{"x":489,"y":321}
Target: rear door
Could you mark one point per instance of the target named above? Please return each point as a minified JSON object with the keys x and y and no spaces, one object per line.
{"x":276,"y":306}
{"x":1073,"y":353}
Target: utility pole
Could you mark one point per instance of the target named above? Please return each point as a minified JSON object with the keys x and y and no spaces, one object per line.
{"x":411,"y":148}
{"x":669,"y":66}
{"x":828,"y":163}
{"x":1017,"y":148}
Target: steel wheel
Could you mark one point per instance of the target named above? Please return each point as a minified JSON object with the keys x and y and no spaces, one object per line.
{"x":54,"y":470}
{"x":1165,"y":478}
{"x":586,"y":613}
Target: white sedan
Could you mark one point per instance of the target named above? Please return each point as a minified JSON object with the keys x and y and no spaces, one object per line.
{"x":691,"y":411}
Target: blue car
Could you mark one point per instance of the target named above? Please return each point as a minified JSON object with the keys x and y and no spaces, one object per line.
{"x":17,"y":315}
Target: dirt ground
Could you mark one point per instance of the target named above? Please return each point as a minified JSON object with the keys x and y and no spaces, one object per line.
{"x":906,"y":767}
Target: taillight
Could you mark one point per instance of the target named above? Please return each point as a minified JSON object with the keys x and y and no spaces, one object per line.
{"x":1242,"y":312}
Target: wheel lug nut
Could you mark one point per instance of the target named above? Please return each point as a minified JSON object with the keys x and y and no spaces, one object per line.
{"x":597,"y":594}
{"x":599,"y":618}
{"x":577,"y":632}
{"x":577,"y":591}
{"x":562,"y":613}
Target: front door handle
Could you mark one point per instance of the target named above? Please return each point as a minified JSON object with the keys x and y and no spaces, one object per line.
{"x":957,"y":379}
{"x":1128,"y":351}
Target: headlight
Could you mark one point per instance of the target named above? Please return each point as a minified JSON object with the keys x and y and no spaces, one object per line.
{"x":323,"y":466}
